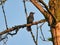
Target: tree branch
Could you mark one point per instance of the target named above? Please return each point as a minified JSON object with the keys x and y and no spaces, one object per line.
{"x":42,"y":2}
{"x":46,"y":7}
{"x":48,"y":15}
{"x":21,"y":26}
{"x":40,"y":8}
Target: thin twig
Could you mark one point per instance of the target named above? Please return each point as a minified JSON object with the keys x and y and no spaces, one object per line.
{"x":37,"y":36}
{"x":33,"y":37}
{"x":42,"y":32}
{"x":4,"y":17}
{"x":5,"y":25}
{"x":25,"y":8}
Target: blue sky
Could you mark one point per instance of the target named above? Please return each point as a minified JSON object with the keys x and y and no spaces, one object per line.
{"x":16,"y":16}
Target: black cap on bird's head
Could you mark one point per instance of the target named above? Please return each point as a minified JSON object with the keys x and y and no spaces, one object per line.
{"x":31,"y":12}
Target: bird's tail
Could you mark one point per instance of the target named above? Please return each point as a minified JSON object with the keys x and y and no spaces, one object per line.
{"x":29,"y":28}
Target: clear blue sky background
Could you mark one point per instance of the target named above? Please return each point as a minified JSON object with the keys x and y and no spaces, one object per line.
{"x":16,"y":16}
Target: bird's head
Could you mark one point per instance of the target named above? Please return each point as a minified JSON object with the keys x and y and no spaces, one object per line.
{"x":31,"y":14}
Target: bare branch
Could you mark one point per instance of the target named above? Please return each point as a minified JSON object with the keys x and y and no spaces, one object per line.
{"x":48,"y":15}
{"x":41,"y":1}
{"x":40,"y":8}
{"x":42,"y":32}
{"x":46,"y":7}
{"x":25,"y":8}
{"x":37,"y":35}
{"x":33,"y":37}
{"x":21,"y":26}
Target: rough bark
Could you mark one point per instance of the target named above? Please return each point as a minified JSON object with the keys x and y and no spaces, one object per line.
{"x":54,"y":7}
{"x":56,"y":34}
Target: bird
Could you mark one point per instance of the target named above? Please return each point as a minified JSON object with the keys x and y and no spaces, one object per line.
{"x":30,"y":19}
